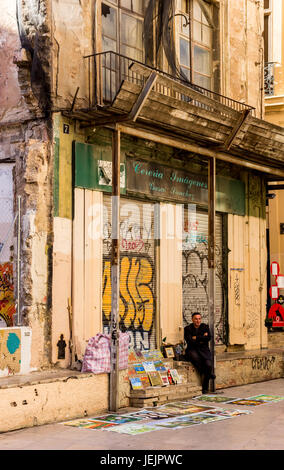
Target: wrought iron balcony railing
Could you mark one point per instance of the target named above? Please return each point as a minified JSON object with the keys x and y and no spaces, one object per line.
{"x":107,"y":71}
{"x":269,"y":78}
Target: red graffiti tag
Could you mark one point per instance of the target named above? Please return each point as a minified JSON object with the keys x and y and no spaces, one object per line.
{"x":130,"y":245}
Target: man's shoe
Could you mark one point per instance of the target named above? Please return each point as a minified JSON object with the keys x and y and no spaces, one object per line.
{"x":212,"y":376}
{"x":204,"y":392}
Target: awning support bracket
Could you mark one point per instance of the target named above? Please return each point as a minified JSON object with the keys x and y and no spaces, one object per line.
{"x":137,"y":107}
{"x":236,"y":129}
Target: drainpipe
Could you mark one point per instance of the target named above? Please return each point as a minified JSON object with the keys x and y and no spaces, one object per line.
{"x":211,"y":259}
{"x":115,"y":241}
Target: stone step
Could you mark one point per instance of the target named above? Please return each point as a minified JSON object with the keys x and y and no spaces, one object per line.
{"x":155,"y":396}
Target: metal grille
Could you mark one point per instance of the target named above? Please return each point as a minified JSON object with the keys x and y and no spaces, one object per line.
{"x":195,"y":271}
{"x":269,"y":79}
{"x":137,"y":271}
{"x":107,"y":70}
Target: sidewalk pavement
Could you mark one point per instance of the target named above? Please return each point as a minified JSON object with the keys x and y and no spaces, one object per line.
{"x":261,"y":430}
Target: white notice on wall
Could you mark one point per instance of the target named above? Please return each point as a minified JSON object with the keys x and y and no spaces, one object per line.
{"x":274,"y":269}
{"x":280,"y":281}
{"x":274,"y":292}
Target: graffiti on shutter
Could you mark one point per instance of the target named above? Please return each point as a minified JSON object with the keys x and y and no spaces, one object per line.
{"x":137,"y":309}
{"x":195,"y":272}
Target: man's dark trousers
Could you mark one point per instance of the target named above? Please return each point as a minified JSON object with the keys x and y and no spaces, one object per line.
{"x":203,"y":366}
{"x":198,"y":352}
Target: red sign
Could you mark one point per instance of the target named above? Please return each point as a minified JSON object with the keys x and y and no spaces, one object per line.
{"x":276,"y":311}
{"x":279,"y":279}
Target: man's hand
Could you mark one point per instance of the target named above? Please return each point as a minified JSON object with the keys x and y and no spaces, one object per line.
{"x":194,"y":337}
{"x":205,"y":334}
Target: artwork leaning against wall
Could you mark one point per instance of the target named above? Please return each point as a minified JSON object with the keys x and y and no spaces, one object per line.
{"x":7,"y":302}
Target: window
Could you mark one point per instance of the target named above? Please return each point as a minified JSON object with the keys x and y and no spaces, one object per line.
{"x":268,"y":49}
{"x":267,"y":31}
{"x":195,"y":42}
{"x":273,"y":12}
{"x":122,"y":33}
{"x":122,"y":27}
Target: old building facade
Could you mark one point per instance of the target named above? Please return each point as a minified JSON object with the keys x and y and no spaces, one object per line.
{"x":274,"y":113}
{"x":173,"y":86}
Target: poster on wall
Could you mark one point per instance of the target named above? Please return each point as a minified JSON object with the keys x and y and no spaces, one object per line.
{"x":276,"y":311}
{"x":10,"y":351}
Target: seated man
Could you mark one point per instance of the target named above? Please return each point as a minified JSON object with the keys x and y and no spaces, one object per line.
{"x":197,"y":336}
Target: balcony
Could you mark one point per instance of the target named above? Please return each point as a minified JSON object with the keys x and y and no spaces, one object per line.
{"x":121,"y":89}
{"x":107,"y":71}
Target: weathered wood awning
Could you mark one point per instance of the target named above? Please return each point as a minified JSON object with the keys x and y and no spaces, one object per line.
{"x":175,"y":106}
{"x":154,"y":99}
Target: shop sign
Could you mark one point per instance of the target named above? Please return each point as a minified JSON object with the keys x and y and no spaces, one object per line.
{"x":155,"y":180}
{"x":161,"y":182}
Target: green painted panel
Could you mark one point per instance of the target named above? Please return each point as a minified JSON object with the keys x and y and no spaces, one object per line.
{"x":56,"y":178}
{"x":85,"y":166}
{"x":230,"y":195}
{"x":93,"y":171}
{"x":93,"y":168}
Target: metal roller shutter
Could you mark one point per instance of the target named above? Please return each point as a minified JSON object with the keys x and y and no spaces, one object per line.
{"x":195,"y":270}
{"x":137,"y":271}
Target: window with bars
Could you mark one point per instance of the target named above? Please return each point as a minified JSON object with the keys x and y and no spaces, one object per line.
{"x":268,"y":64}
{"x":195,"y":41}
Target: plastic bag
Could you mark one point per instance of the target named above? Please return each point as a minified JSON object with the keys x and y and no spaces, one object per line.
{"x":97,"y":355}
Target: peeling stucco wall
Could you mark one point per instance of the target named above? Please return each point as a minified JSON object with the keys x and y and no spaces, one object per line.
{"x":28,"y":146}
{"x":72,"y":39}
{"x":25,"y":130}
{"x":33,"y":181}
{"x":12,"y":103}
{"x":33,"y":22}
{"x":242,"y":51}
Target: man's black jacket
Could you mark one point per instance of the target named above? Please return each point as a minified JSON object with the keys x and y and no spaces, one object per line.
{"x":200,"y":344}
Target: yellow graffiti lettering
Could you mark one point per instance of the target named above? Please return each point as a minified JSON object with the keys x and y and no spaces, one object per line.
{"x":143,"y":281}
{"x":132,"y":286}
{"x":125,"y":298}
{"x":136,"y":307}
{"x":107,"y":290}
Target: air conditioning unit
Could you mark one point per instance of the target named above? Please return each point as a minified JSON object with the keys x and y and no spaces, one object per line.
{"x":15,"y":350}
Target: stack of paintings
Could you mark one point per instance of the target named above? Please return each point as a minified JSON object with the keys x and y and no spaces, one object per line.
{"x":147,"y":369}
